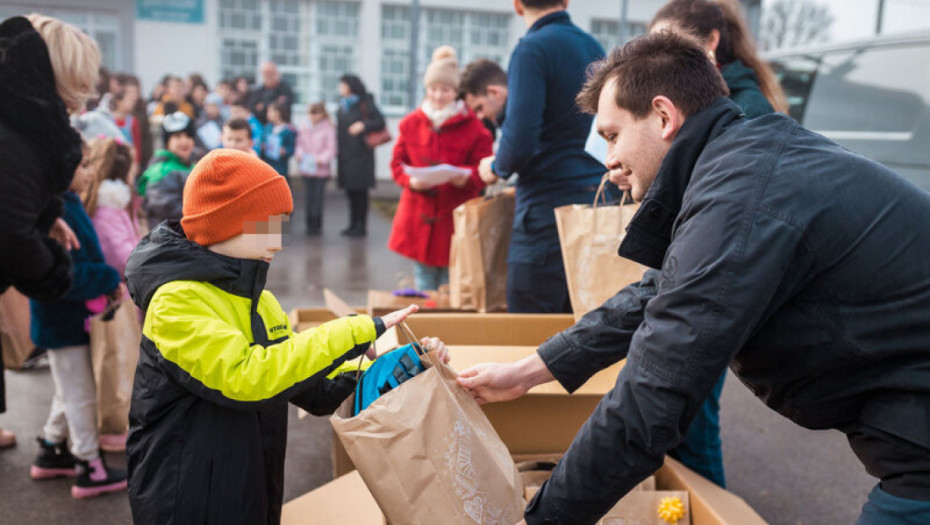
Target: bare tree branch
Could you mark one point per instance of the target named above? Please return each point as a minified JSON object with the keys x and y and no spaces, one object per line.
{"x":790,"y":23}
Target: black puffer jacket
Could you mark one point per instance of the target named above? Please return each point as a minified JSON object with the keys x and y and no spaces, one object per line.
{"x":38,"y":155}
{"x":356,"y":169}
{"x":217,"y":366}
{"x":801,"y":265}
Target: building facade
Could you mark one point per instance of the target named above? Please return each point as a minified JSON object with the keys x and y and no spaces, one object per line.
{"x":314,"y":41}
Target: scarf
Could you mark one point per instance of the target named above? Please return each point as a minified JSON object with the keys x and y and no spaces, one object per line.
{"x":438,"y":117}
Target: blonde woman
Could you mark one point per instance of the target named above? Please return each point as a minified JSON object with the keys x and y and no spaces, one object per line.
{"x":47,"y":70}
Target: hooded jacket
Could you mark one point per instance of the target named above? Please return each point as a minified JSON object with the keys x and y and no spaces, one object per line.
{"x":217,"y":367}
{"x":162,"y":187}
{"x":422,"y":227}
{"x":39,"y":153}
{"x":115,"y":230}
{"x":744,"y":89}
{"x":60,"y":323}
{"x":796,"y":262}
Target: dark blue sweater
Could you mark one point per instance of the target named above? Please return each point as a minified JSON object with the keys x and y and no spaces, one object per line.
{"x":544,"y":134}
{"x":60,"y":323}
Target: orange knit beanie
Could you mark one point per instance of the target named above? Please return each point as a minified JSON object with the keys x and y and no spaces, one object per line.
{"x":228,"y":188}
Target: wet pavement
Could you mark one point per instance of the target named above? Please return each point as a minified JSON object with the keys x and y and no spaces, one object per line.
{"x":790,"y":475}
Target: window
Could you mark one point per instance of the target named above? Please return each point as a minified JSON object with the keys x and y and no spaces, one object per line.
{"x":103,"y":27}
{"x":607,"y":32}
{"x":240,"y":30}
{"x":796,"y":76}
{"x":312,"y":42}
{"x":472,"y":34}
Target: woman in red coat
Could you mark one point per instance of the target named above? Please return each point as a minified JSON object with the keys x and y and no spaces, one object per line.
{"x":441,"y":131}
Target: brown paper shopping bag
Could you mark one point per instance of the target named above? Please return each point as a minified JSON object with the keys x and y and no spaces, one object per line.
{"x":478,"y":257}
{"x":590,"y":236}
{"x":115,"y":336}
{"x":14,"y":328}
{"x":429,"y":455}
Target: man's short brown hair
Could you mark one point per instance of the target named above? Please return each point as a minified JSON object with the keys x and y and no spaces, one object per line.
{"x":656,"y":64}
{"x":480,"y":74}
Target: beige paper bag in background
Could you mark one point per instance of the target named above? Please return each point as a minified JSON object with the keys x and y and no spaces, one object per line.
{"x":590,"y":236}
{"x":115,"y":336}
{"x":429,"y":455}
{"x":14,"y":328}
{"x":478,"y":257}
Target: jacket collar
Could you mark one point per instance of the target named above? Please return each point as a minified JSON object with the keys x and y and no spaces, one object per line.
{"x":558,"y":17}
{"x":31,"y":106}
{"x":650,"y":232}
{"x":166,"y":255}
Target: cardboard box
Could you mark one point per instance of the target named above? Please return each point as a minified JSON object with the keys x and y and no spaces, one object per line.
{"x":480,"y":338}
{"x":382,"y":302}
{"x":347,"y":500}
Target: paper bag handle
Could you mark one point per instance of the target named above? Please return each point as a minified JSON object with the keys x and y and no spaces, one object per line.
{"x":602,"y":196}
{"x":408,"y":334}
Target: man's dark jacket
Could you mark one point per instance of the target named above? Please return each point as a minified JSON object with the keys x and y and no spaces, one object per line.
{"x":266,"y":96}
{"x":801,"y":265}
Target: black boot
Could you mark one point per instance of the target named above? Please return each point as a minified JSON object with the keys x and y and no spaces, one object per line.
{"x":314,"y":226}
{"x":95,"y":478}
{"x":54,"y":460}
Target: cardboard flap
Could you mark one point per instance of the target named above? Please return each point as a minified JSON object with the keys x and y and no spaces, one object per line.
{"x":336,"y":305}
{"x":343,"y":500}
{"x":709,"y":503}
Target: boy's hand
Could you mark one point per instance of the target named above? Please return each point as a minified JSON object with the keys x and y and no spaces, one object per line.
{"x":433,"y":344}
{"x":394,"y":318}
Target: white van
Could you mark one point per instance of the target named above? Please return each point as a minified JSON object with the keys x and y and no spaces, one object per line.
{"x":871,"y":96}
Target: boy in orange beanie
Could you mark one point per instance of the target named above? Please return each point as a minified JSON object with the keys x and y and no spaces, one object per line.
{"x":219,"y":361}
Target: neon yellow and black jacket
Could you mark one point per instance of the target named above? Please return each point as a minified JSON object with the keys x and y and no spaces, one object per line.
{"x":218,"y":365}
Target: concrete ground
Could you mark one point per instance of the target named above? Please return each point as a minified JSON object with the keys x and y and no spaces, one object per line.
{"x":790,"y":475}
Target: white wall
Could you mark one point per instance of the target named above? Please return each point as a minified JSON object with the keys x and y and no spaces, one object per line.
{"x":179,"y":49}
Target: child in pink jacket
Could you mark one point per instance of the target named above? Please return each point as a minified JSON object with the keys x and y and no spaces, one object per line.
{"x":108,"y":199}
{"x":316,"y":149}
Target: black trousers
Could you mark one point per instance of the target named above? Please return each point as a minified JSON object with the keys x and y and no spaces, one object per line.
{"x":314,"y":190}
{"x":358,"y":209}
{"x":902,"y":466}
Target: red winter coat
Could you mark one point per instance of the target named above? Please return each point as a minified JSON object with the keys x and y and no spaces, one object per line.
{"x":422,"y":227}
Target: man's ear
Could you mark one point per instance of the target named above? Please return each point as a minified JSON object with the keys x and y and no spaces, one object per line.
{"x":518,"y":7}
{"x":671,"y":117}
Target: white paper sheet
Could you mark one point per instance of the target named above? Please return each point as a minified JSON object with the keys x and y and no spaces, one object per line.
{"x":210,"y":134}
{"x":308,"y":164}
{"x":435,"y":175}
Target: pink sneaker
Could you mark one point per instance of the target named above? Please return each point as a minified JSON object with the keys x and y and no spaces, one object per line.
{"x":94,"y":479}
{"x":113,"y":442}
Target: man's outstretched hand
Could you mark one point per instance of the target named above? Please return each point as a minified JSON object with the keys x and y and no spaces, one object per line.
{"x":495,"y":382}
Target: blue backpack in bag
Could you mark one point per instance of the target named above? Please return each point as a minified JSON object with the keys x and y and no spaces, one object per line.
{"x":386,"y":374}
